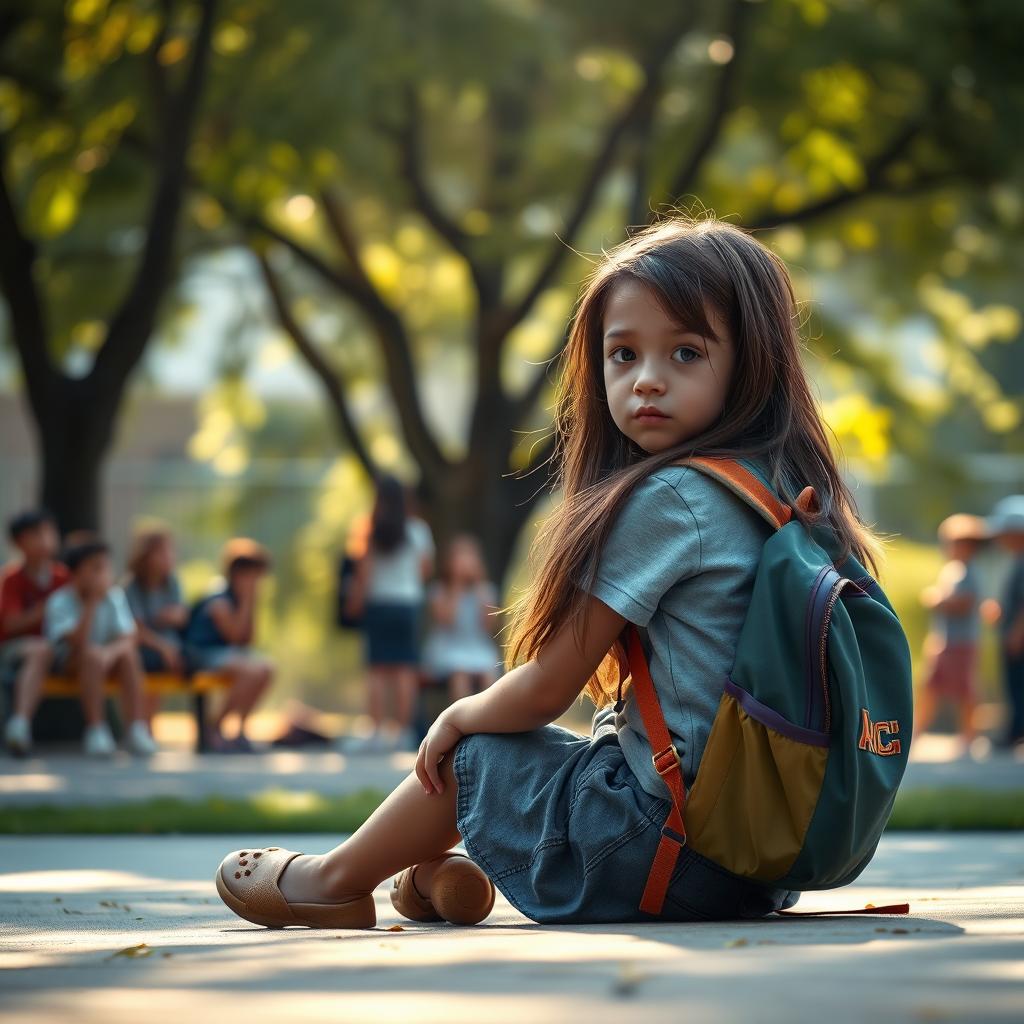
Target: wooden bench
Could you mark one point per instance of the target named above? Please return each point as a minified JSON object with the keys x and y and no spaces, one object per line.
{"x":197,"y":687}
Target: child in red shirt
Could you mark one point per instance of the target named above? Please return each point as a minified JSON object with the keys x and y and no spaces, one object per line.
{"x":23,"y":593}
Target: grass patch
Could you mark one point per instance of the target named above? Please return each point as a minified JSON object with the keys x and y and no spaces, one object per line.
{"x":269,"y":811}
{"x":942,"y":810}
{"x":958,"y":809}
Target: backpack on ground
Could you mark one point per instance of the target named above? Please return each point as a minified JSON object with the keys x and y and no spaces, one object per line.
{"x":812,"y":733}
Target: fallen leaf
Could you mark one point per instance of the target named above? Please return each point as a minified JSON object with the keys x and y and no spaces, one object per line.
{"x":735,"y":943}
{"x":395,"y":928}
{"x":900,"y":931}
{"x":133,"y":952}
{"x":66,"y":911}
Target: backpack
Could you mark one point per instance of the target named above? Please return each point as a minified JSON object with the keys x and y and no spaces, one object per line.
{"x":811,"y":737}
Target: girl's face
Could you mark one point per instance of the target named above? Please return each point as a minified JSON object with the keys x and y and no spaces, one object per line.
{"x":161,"y":557}
{"x":651,"y":362}
{"x":464,"y":561}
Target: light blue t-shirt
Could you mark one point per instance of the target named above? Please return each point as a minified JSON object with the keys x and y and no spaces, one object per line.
{"x":112,"y":618}
{"x":965,"y":628}
{"x":680,"y":560}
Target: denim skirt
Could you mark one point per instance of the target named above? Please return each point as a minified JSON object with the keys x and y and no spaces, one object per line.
{"x":392,"y":633}
{"x":563,"y":828}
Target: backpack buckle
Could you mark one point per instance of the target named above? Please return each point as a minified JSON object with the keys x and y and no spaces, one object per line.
{"x":669,"y":760}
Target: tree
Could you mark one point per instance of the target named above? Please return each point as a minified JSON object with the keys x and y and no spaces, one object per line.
{"x":52,"y":143}
{"x":802,"y":117}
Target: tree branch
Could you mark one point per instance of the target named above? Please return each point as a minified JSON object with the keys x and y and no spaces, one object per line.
{"x":600,"y":166}
{"x":132,"y":324}
{"x":874,"y":181}
{"x":318,"y":364}
{"x":739,"y":13}
{"x":18,"y":284}
{"x":389,"y":330}
{"x":410,"y":146}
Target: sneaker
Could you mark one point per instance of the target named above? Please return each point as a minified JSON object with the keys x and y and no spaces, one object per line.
{"x":18,"y":735}
{"x":139,"y":741}
{"x":98,"y":741}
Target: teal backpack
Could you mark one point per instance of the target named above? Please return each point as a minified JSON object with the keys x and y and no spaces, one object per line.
{"x":811,"y":736}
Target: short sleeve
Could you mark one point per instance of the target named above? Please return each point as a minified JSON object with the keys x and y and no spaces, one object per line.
{"x":60,"y":616}
{"x":967,"y":584}
{"x":10,"y":595}
{"x":422,"y":536}
{"x":653,"y":544}
{"x":123,"y":620}
{"x":134,"y":596}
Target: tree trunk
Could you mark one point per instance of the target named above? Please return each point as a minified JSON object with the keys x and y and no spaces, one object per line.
{"x":73,"y":435}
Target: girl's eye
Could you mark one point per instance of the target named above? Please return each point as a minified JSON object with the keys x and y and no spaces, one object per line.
{"x":617,"y":352}
{"x":689,"y":354}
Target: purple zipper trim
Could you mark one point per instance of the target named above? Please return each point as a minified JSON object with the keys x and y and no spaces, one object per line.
{"x":772,"y":719}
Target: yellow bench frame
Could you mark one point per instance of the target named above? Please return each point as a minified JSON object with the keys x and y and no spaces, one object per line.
{"x":197,"y":686}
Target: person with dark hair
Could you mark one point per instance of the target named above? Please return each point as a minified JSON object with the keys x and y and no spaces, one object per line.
{"x":91,"y":628}
{"x":389,"y":587}
{"x":219,"y":637}
{"x":24,"y":651}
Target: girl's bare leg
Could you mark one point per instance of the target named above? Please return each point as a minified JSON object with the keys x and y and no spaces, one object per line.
{"x":375,"y":684}
{"x":407,"y":828}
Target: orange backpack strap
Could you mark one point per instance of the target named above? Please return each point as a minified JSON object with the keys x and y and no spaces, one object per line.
{"x":745,"y":485}
{"x":667,"y":765}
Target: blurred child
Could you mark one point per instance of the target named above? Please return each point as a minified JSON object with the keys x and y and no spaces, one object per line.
{"x":154,"y":596}
{"x":23,"y":594}
{"x":219,"y":637}
{"x":462,"y":604}
{"x":952,"y":643}
{"x":92,"y":631}
{"x":1007,"y":524}
{"x":388,"y":591}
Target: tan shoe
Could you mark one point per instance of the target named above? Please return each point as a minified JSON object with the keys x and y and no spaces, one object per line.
{"x":247,"y":883}
{"x":460,"y":892}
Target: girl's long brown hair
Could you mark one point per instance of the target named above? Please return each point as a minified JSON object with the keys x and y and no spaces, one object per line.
{"x":769,"y":412}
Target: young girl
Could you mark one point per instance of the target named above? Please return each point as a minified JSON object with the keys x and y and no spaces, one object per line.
{"x":460,"y":645}
{"x":389,"y":586}
{"x":683,"y":343}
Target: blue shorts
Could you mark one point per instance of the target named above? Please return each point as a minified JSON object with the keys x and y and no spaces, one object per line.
{"x":561,"y":825}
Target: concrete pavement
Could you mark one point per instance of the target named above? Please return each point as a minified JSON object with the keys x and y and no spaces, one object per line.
{"x":69,"y":905}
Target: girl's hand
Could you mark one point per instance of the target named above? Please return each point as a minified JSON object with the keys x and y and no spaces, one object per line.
{"x":440,"y":739}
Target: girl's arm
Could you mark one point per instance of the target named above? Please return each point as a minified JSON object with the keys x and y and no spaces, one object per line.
{"x":234,"y":624}
{"x":528,"y":696}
